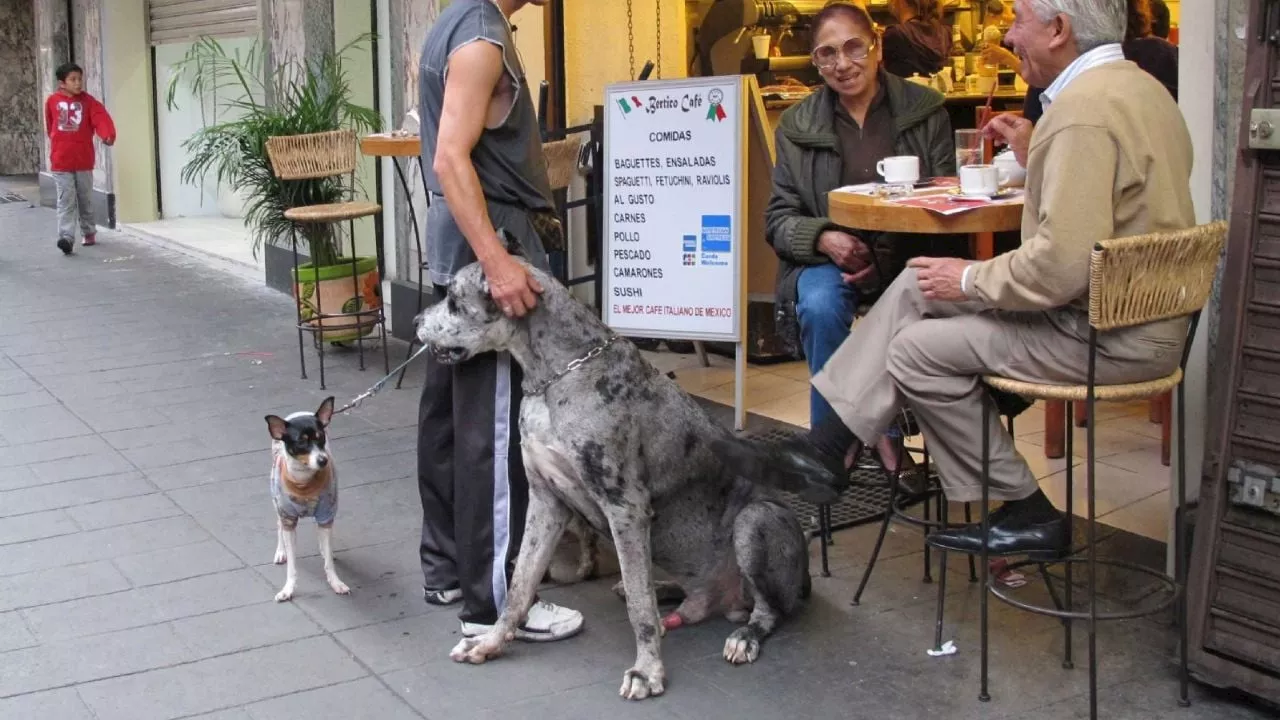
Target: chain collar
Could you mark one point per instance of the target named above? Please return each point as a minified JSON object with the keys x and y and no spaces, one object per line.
{"x":574,"y":364}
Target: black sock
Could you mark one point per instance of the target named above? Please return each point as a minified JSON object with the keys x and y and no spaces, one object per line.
{"x":1034,"y":507}
{"x":832,"y":438}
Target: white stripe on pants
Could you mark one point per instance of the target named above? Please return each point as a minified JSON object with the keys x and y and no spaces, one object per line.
{"x":75,"y":203}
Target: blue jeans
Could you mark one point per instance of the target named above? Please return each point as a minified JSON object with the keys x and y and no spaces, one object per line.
{"x":825,"y":306}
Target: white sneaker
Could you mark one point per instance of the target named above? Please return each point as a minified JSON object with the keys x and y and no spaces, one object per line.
{"x":442,"y":597}
{"x":546,"y":622}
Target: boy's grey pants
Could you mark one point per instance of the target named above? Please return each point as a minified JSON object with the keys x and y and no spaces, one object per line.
{"x":75,"y":202}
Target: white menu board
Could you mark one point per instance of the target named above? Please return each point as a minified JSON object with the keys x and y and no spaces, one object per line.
{"x":673,"y":208}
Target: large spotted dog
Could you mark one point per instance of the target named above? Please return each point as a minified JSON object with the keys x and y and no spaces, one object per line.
{"x":608,"y":437}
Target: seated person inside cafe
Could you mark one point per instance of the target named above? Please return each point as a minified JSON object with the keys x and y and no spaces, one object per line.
{"x":1111,"y":157}
{"x":834,"y":138}
{"x":918,"y":43}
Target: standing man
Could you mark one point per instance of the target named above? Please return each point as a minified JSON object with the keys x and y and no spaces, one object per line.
{"x":1111,"y":157}
{"x":483,"y":165}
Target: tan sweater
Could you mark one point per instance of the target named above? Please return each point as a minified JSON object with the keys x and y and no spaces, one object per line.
{"x":1111,"y":157}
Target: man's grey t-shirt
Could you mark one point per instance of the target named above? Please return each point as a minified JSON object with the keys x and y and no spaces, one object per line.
{"x":508,"y":158}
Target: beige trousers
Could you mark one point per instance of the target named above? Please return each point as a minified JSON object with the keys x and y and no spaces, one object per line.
{"x":930,"y":356}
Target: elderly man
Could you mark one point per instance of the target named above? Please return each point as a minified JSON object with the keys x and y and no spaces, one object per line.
{"x":1111,"y":157}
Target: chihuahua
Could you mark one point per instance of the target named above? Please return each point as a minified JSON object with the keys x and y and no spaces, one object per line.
{"x":304,"y":483}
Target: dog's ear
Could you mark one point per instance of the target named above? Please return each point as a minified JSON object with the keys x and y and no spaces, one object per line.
{"x":276,"y":425}
{"x":509,"y":242}
{"x":325,"y":413}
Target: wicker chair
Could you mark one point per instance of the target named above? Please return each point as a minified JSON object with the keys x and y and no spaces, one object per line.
{"x":309,"y":157}
{"x":1132,"y":281}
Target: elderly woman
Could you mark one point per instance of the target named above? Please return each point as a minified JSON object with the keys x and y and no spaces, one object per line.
{"x":832,"y":139}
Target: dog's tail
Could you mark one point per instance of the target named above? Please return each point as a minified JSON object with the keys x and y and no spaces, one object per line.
{"x":769,"y":465}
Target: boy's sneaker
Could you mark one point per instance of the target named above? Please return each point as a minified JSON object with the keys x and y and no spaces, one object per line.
{"x":90,"y":240}
{"x":546,"y":622}
{"x":64,"y":245}
{"x":442,"y":597}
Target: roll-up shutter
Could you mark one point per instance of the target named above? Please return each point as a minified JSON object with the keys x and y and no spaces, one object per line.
{"x":175,"y":21}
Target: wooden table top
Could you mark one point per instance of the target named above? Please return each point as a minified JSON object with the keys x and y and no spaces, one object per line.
{"x":870,"y":213}
{"x":388,"y":145}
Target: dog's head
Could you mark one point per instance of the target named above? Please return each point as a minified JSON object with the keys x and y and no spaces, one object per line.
{"x":303,"y":438}
{"x":467,"y":322}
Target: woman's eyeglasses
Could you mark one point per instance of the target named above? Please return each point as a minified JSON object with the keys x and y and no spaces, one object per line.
{"x":825,"y":57}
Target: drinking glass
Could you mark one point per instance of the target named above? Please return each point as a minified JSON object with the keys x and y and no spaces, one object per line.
{"x":968,"y":148}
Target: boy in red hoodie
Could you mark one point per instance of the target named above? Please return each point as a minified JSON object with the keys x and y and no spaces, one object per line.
{"x":71,"y":118}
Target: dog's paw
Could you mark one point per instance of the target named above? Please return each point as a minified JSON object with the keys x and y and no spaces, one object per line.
{"x":280,"y":558}
{"x":742,"y":646}
{"x":285,"y":594}
{"x":639,"y":683}
{"x":339,"y":586}
{"x":477,"y":650}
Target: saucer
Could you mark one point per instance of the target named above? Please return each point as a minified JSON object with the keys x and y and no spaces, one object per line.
{"x":958,"y":194}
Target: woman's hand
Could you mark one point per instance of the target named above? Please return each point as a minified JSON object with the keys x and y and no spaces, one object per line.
{"x":1012,"y":130}
{"x":1000,"y":55}
{"x":846,"y":251}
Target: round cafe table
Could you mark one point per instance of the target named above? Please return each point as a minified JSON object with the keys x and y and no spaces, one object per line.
{"x":864,"y":212}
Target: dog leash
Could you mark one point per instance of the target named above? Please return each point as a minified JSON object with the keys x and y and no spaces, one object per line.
{"x":377,"y":387}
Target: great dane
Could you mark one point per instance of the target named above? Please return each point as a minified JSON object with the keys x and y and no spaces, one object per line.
{"x":607,"y":436}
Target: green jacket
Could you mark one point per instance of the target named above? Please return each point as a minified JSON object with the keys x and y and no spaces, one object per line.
{"x":809,"y":166}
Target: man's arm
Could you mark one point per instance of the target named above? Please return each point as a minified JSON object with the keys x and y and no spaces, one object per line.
{"x":50,"y":116}
{"x":472,"y":75}
{"x":1051,"y":268}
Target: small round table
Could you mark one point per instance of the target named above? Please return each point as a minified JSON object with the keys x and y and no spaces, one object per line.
{"x":865,"y":212}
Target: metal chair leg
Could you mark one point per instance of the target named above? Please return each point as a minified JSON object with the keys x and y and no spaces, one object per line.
{"x":297,"y":295}
{"x":973,"y":562}
{"x":824,"y":530}
{"x":1091,"y":476}
{"x":942,"y":585}
{"x":983,"y":694}
{"x":355,"y":286}
{"x":1067,"y":662}
{"x":1179,"y":554}
{"x":928,"y":558}
{"x":875,"y":551}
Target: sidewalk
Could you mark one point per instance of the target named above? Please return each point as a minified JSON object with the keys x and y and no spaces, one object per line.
{"x":136,"y":535}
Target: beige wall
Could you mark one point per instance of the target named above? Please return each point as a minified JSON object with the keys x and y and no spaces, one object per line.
{"x":531,"y":44}
{"x":596,"y":47}
{"x":350,"y":19}
{"x":126,"y":78}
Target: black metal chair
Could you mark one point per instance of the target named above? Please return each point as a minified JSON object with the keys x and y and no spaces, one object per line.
{"x":1132,"y":281}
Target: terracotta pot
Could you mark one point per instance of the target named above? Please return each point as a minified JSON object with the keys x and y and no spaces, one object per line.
{"x":330,"y":289}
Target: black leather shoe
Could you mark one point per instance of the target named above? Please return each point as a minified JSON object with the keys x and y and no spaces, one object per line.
{"x":1010,"y":536}
{"x":794,"y":464}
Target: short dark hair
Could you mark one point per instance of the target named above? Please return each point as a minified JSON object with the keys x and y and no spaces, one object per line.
{"x":840,"y":9}
{"x":1159,"y":19}
{"x":66,"y":69}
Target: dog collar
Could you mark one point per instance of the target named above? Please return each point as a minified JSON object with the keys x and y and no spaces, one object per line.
{"x":572,"y":365}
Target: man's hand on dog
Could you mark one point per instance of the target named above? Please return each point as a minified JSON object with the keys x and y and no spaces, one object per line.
{"x":939,"y":278}
{"x":511,"y":286}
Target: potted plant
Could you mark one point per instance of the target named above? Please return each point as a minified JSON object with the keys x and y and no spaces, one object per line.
{"x":297,"y":98}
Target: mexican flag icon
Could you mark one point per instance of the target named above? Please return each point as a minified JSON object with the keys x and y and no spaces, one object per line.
{"x":627,"y":107}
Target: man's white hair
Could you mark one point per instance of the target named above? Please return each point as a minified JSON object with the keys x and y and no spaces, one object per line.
{"x":1095,"y":22}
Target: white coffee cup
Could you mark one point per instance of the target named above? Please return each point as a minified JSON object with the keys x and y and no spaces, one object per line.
{"x":899,"y":169}
{"x":979,"y":179}
{"x":760,"y":43}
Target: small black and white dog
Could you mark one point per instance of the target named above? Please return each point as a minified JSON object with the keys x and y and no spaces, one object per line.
{"x":304,"y":483}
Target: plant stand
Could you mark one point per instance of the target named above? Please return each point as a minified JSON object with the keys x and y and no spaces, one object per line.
{"x":355,"y":318}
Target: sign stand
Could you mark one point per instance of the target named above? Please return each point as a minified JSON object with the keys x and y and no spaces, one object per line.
{"x":677,"y":156}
